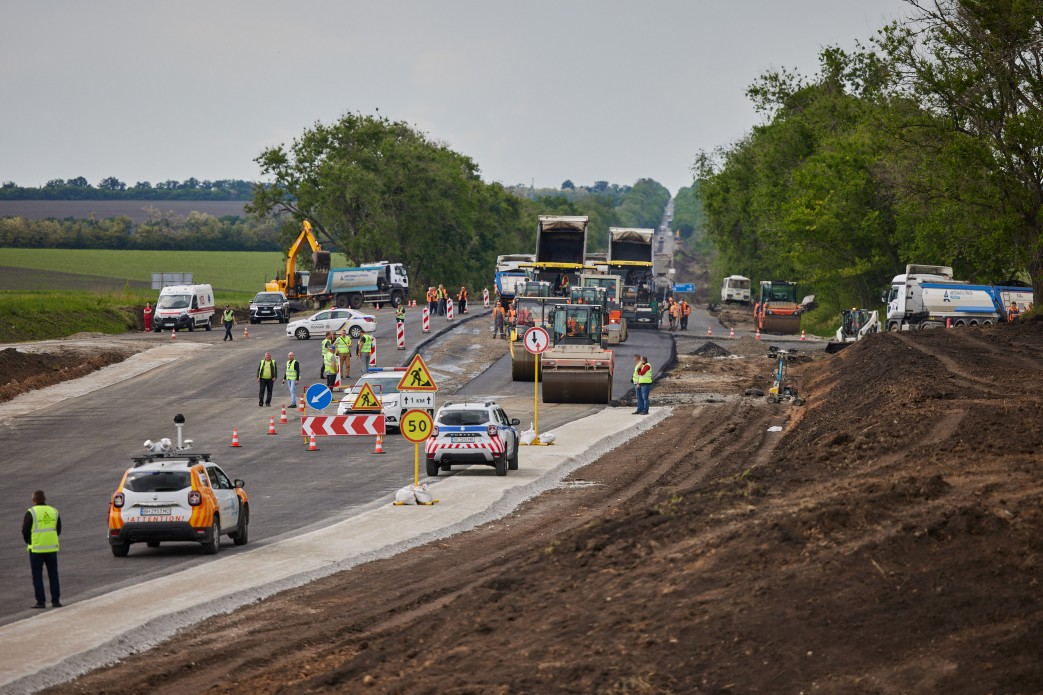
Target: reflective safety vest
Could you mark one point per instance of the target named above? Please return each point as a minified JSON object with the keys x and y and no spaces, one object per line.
{"x":432,"y":296}
{"x":636,"y":377}
{"x":400,"y":313}
{"x":686,"y":309}
{"x":497,"y":312}
{"x":44,"y":538}
{"x":343,"y":344}
{"x":645,"y":378}
{"x":267,"y":369}
{"x":329,"y":360}
{"x":440,"y":294}
{"x":462,"y":296}
{"x":293,"y":370}
{"x":366,"y":343}
{"x":326,"y":342}
{"x":229,"y":316}
{"x":1013,"y":313}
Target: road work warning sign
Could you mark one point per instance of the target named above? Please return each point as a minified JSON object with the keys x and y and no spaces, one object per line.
{"x":366,"y":400}
{"x":417,"y":377}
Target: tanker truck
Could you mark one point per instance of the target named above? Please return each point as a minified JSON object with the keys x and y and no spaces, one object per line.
{"x":927,"y":296}
{"x":561,"y":249}
{"x":374,"y":283}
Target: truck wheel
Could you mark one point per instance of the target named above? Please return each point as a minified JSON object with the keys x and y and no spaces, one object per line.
{"x":301,"y":333}
{"x":213,"y":544}
{"x":191,"y":325}
{"x":209,"y":323}
{"x":355,"y":301}
{"x":342,"y":301}
{"x":501,"y":464}
{"x":432,"y":468}
{"x":396,"y":298}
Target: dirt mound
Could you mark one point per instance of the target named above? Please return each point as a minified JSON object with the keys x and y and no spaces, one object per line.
{"x":711,"y":350}
{"x":891,"y":543}
{"x":29,"y":371}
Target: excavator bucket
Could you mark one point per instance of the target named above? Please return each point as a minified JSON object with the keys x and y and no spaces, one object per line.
{"x":320,"y":260}
{"x":573,"y":386}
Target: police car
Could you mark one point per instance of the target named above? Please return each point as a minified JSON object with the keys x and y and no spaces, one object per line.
{"x":173,"y":494}
{"x":466,"y":433}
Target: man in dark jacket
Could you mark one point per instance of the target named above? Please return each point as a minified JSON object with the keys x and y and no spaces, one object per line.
{"x":267,"y":372}
{"x":40,"y":530}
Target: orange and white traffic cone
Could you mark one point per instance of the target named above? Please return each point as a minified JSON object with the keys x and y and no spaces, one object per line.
{"x":311,"y":443}
{"x":301,"y":405}
{"x":758,"y":336}
{"x":173,"y":334}
{"x":235,"y":438}
{"x":246,"y":331}
{"x":271,"y":425}
{"x":282,"y":418}
{"x":709,"y":331}
{"x":731,"y":332}
{"x":378,"y":448}
{"x":803,"y":336}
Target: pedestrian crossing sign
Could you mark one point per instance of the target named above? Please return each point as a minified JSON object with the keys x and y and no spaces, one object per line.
{"x":366,"y":400}
{"x":417,"y":377}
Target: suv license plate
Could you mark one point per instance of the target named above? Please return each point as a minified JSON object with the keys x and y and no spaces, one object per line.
{"x":155,"y":511}
{"x":462,"y":439}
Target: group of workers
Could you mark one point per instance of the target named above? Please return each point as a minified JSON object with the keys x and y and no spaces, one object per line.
{"x":437,"y":300}
{"x":336,"y":354}
{"x":1014,"y":313}
{"x":677,"y":313}
{"x":504,"y":320}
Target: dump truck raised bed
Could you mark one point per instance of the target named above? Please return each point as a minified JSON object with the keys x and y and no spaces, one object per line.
{"x":561,"y":249}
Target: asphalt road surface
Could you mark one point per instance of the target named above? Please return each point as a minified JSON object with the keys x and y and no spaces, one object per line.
{"x":77,"y":451}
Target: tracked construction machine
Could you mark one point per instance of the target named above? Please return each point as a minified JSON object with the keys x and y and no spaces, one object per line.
{"x":855,"y":324}
{"x":534,"y":307}
{"x":777,"y":310}
{"x":578,"y":367}
{"x":294,"y":284}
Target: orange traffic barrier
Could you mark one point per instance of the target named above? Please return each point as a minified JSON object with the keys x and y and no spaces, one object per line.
{"x":235,"y":438}
{"x":271,"y":425}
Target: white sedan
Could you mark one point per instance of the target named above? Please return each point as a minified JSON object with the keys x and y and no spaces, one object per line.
{"x":356,"y":323}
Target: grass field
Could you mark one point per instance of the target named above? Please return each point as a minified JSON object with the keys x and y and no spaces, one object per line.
{"x":45,"y":315}
{"x":237,"y":272}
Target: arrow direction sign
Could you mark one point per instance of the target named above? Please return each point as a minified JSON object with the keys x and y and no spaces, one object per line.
{"x":342,"y":425}
{"x":319,"y":396}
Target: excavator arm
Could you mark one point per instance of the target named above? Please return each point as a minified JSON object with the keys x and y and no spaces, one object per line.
{"x":320,"y":258}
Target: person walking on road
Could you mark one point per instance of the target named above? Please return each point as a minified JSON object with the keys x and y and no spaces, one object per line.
{"x":330,"y":366}
{"x":267,"y":372}
{"x":442,"y":295}
{"x":685,"y":310}
{"x":365,"y":349}
{"x":642,"y":383}
{"x":40,"y":530}
{"x":343,"y":345}
{"x":432,"y":302}
{"x":461,"y":300}
{"x":291,"y":376}
{"x":228,"y":318}
{"x":148,"y":317}
{"x":326,"y":343}
{"x":498,"y":331}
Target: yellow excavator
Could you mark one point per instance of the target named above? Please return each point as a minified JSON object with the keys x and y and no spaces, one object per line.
{"x":295,"y":283}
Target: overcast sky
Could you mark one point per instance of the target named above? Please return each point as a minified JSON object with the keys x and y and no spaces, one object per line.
{"x":537,"y":91}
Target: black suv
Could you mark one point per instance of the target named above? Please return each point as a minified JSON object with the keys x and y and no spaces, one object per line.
{"x":270,"y":305}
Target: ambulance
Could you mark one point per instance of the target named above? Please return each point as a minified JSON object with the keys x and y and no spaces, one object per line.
{"x":184,"y":306}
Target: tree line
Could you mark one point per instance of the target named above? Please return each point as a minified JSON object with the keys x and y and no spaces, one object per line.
{"x":111,"y":188}
{"x":162,"y":232}
{"x":922,"y":146}
{"x":379,"y":189}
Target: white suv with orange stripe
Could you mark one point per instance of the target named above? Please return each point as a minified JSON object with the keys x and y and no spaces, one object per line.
{"x":177,"y":497}
{"x":473,"y":433}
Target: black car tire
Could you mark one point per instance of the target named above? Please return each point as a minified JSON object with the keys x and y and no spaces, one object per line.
{"x":355,"y":332}
{"x":120,"y":549}
{"x":209,"y":323}
{"x":242,"y":536}
{"x":501,"y":464}
{"x":213,"y":543}
{"x":302,"y":333}
{"x":432,"y":468}
{"x":512,"y":462}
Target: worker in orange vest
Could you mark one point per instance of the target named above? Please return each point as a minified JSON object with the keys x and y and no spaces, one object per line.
{"x":432,"y":301}
{"x":686,"y":311}
{"x":1013,"y":313}
{"x":461,"y":300}
{"x":498,"y":316}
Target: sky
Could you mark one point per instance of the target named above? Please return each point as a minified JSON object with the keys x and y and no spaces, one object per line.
{"x":535,"y":91}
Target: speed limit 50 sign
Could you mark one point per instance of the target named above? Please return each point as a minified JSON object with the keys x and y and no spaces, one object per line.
{"x":416,"y":425}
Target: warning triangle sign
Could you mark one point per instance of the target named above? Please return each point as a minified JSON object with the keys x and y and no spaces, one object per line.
{"x":366,"y":400}
{"x":417,"y":377}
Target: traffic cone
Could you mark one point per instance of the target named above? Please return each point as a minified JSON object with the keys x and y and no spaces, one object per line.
{"x":235,"y":438}
{"x":709,"y":331}
{"x":301,"y":405}
{"x":378,"y":448}
{"x":271,"y":425}
{"x":311,"y":443}
{"x":731,"y":332}
{"x":282,"y":418}
{"x":173,"y":334}
{"x":802,"y":335}
{"x":758,"y":336}
{"x":246,"y":331}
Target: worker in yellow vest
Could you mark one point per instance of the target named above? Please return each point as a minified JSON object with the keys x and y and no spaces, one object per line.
{"x":330,"y":365}
{"x":40,"y":530}
{"x":343,"y":345}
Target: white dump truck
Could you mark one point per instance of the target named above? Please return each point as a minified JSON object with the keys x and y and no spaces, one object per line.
{"x":927,"y":296}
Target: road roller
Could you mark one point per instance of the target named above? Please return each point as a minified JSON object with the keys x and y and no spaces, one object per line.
{"x":535,"y":309}
{"x":778,"y":310}
{"x":578,"y":366}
